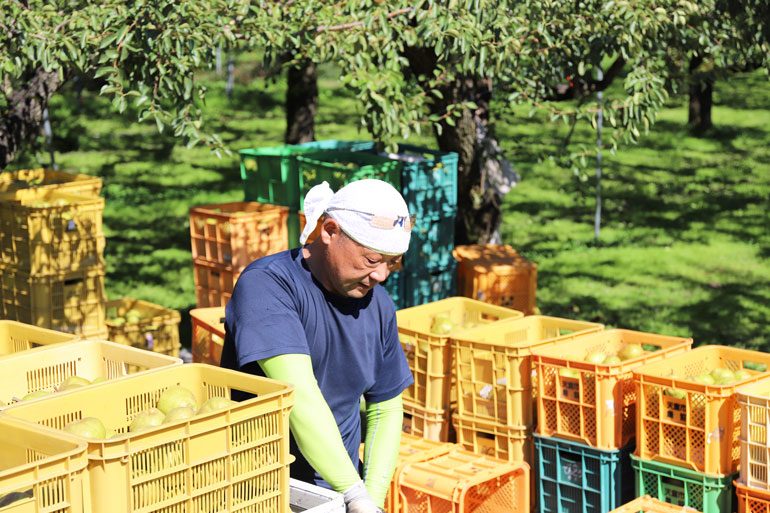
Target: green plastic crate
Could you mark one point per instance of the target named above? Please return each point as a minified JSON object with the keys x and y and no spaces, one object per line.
{"x":341,"y":167}
{"x":684,"y":487}
{"x":432,"y":242}
{"x":575,"y":478}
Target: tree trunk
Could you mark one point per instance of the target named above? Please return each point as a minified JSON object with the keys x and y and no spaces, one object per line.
{"x":21,"y":120}
{"x":301,"y":103}
{"x":483,"y":175}
{"x":701,"y":98}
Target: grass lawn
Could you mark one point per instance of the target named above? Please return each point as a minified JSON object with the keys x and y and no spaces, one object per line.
{"x":684,"y":244}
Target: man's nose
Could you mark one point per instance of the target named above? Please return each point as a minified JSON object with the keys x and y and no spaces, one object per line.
{"x":380,"y":273}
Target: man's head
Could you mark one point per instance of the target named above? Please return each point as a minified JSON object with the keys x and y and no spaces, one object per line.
{"x":365,"y":227}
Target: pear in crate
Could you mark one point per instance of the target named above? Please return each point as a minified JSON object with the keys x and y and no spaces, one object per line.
{"x":176,"y":397}
{"x":216,"y":403}
{"x":181,"y":413}
{"x":73,"y":382}
{"x":146,"y":420}
{"x":88,"y":427}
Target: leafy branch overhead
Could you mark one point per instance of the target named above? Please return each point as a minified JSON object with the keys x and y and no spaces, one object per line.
{"x":534,"y":52}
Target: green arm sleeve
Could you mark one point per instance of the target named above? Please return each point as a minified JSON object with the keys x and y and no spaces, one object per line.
{"x":312,"y":422}
{"x":383,"y":436}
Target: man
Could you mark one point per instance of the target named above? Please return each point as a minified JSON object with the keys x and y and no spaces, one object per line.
{"x":315,"y":317}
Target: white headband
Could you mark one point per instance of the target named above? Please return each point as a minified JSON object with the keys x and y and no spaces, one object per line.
{"x":357,"y":207}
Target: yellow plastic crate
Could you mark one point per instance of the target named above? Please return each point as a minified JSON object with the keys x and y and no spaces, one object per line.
{"x":48,"y":179}
{"x":71,"y":302}
{"x":754,"y":401}
{"x":44,"y":232}
{"x":18,"y":336}
{"x":683,"y":422}
{"x":142,"y":324}
{"x":594,"y":404}
{"x":41,"y":470}
{"x":45,"y":368}
{"x":429,"y":354}
{"x":647,"y":504}
{"x":463,"y":482}
{"x":425,"y":423}
{"x":238,"y":233}
{"x":214,"y":283}
{"x":232,"y":460}
{"x":493,"y":367}
{"x":509,"y":443}
{"x":208,"y":334}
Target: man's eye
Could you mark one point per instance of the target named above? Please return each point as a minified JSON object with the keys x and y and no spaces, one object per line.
{"x":372,"y":262}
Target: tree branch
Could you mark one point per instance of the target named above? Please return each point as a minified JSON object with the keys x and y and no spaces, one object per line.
{"x":354,"y":24}
{"x":585,"y":87}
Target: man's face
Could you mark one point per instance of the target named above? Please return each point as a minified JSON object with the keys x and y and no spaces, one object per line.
{"x":354,"y":270}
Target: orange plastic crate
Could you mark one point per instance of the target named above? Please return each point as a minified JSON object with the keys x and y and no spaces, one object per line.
{"x":153,"y":327}
{"x":429,"y":354}
{"x":751,"y":500}
{"x":699,"y":426}
{"x":647,"y":504}
{"x":236,"y":234}
{"x":493,"y":368}
{"x":234,"y":459}
{"x":497,"y":275}
{"x":463,"y":482}
{"x":412,"y":449}
{"x":44,"y":232}
{"x":48,"y":179}
{"x":594,"y":403}
{"x":18,"y":336}
{"x":208,"y":334}
{"x":214,"y":283}
{"x":425,"y":423}
{"x":71,"y":302}
{"x":754,"y":401}
{"x":44,"y":470}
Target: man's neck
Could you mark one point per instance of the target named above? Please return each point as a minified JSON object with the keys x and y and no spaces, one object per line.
{"x":313,"y":257}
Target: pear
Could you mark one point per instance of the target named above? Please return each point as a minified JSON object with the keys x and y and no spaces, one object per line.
{"x":146,"y":420}
{"x":35,"y":395}
{"x":88,"y":427}
{"x":181,"y":413}
{"x":73,"y":382}
{"x":216,"y":403}
{"x":176,"y":397}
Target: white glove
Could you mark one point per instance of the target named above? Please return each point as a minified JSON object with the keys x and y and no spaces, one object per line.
{"x":357,"y":500}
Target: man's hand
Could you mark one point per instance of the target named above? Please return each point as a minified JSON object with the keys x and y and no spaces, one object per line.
{"x":357,"y":500}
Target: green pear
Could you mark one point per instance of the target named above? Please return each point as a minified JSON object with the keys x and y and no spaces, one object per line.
{"x":176,"y":397}
{"x":146,"y":420}
{"x":88,"y":427}
{"x":216,"y":403}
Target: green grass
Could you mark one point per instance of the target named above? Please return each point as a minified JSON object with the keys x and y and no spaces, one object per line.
{"x":684,"y":242}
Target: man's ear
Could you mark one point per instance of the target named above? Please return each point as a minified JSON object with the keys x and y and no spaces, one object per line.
{"x":329,"y":230}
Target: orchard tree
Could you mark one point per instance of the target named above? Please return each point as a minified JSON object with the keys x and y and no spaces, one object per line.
{"x":415,"y":65}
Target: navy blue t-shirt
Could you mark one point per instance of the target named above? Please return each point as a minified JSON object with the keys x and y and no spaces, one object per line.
{"x":277,"y":308}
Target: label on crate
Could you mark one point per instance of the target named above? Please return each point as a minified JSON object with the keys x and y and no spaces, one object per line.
{"x":609,"y":404}
{"x":716,"y":435}
{"x":150,"y":340}
{"x":485,"y":392}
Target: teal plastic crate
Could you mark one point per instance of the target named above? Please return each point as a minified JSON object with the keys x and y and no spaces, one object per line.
{"x":576,"y":478}
{"x":394,"y":285}
{"x":432,"y":242}
{"x":684,"y":487}
{"x":426,"y":284}
{"x":428,"y":180}
{"x":341,"y":167}
{"x":270,"y":174}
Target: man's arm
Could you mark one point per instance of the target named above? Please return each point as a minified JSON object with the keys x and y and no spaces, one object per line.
{"x":312,"y":421}
{"x":383,"y":436}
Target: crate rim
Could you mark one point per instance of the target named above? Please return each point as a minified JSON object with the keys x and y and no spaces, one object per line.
{"x":466,"y":334}
{"x":208,"y":209}
{"x":168,"y":316}
{"x":131,"y":441}
{"x":643,"y":374}
{"x":194,"y":316}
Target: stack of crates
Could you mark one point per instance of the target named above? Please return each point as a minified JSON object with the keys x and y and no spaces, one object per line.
{"x":234,"y":458}
{"x":226,"y":238}
{"x":52,"y":251}
{"x":690,"y":431}
{"x":496,"y":274}
{"x":426,"y":178}
{"x":753,"y":486}
{"x":208,"y":334}
{"x":586,"y":414}
{"x":143,"y":325}
{"x":492,"y":367}
{"x":426,"y":333}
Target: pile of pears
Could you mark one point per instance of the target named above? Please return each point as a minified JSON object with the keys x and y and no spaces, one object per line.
{"x":131,"y":317}
{"x":175,"y":403}
{"x":443,"y":325}
{"x":627,"y":352}
{"x":68,"y":384}
{"x":718,"y":376}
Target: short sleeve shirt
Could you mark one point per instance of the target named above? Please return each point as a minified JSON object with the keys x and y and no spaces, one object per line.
{"x":277,"y":307}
